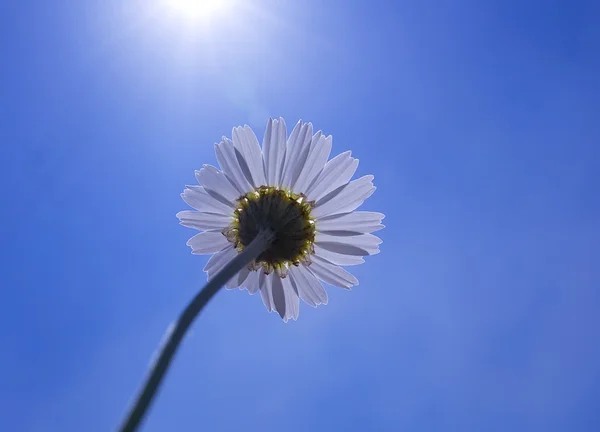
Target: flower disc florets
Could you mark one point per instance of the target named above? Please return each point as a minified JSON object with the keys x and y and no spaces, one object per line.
{"x":286,"y":214}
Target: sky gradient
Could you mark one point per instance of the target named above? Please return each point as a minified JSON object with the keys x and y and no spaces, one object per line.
{"x":480,"y":123}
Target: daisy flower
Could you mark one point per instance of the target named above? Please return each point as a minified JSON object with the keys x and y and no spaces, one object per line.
{"x":290,"y":188}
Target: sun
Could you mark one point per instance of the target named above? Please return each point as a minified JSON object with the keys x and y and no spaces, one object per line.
{"x":198,"y":10}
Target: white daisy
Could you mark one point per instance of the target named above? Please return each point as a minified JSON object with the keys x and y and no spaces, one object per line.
{"x":307,"y":201}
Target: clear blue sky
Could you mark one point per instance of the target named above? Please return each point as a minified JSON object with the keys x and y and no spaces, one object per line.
{"x":481,"y":123}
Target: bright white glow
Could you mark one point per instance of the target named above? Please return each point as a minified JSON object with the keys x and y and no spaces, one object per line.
{"x":196,"y":10}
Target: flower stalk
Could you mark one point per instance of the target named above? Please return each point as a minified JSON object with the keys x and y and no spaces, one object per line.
{"x":258,"y":245}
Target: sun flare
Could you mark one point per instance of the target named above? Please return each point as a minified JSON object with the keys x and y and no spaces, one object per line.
{"x":198,"y":10}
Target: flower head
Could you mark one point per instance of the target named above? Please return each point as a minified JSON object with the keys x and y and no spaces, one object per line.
{"x":290,"y":188}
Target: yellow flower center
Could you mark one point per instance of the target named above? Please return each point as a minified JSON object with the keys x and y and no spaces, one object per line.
{"x":286,"y":214}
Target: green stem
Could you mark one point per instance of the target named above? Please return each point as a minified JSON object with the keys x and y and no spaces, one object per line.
{"x":255,"y":248}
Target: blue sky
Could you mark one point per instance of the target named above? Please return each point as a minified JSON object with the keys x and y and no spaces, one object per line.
{"x":480,"y":123}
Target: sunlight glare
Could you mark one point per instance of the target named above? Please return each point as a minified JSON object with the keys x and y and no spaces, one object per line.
{"x":199,"y":10}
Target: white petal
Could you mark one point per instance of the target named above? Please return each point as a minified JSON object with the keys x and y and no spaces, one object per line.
{"x":265,"y":284}
{"x":320,"y":149}
{"x":357,"y":245}
{"x":251,"y":282}
{"x":198,"y":198}
{"x":309,"y":288}
{"x":278,"y":296}
{"x":312,"y":144}
{"x":207,"y":242}
{"x":274,"y":150}
{"x":239,"y":279}
{"x":226,"y":156}
{"x":285,"y":298}
{"x":219,"y":260}
{"x":292,"y":301}
{"x":363,"y":222}
{"x":245,"y":141}
{"x":331,"y":274}
{"x":203,"y":221}
{"x":213,"y":179}
{"x":347,"y":199}
{"x":297,"y":148}
{"x":336,"y":173}
{"x":338,"y":258}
